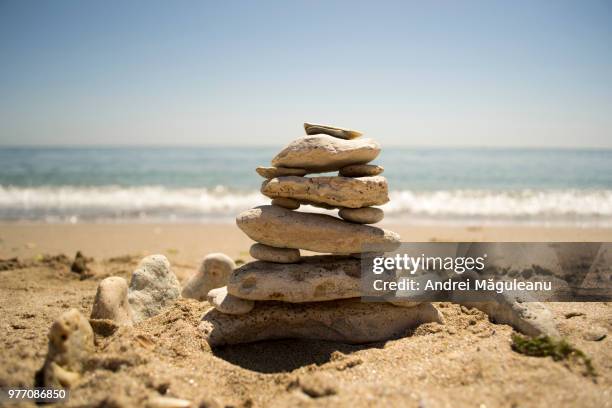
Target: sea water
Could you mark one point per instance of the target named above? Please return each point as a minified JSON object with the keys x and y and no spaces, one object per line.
{"x":187,"y":184}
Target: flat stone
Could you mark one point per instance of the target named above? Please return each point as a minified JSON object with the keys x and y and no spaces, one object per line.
{"x":286,"y":203}
{"x":271,"y":172}
{"x":326,"y":153}
{"x":153,"y":287}
{"x":361,"y":170}
{"x":314,"y":279}
{"x":71,"y":342}
{"x":111,"y":301}
{"x":272,"y":254}
{"x":530,"y":318}
{"x":365,"y":215}
{"x":227,"y":303}
{"x":278,"y":227}
{"x":214,"y":272}
{"x":333,"y":191}
{"x":347,"y":321}
{"x":342,"y":133}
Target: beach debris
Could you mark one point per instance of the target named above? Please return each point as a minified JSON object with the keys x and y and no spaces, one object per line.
{"x":213,"y":273}
{"x":11,"y":263}
{"x":79,"y":265}
{"x":268,"y":224}
{"x":227,"y":303}
{"x":271,"y":254}
{"x":365,"y":215}
{"x":333,"y":191}
{"x":111,"y":301}
{"x":153,"y":287}
{"x":361,"y":170}
{"x":317,"y":278}
{"x":289,"y":203}
{"x":315,"y":296}
{"x":315,"y":129}
{"x":271,"y":172}
{"x":323,"y":153}
{"x":347,"y":321}
{"x":71,"y":341}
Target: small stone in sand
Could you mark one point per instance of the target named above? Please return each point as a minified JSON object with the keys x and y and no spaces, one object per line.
{"x":153,"y":287}
{"x":365,"y":215}
{"x":229,"y":304}
{"x":314,"y":129}
{"x":288,"y":203}
{"x":272,"y":254}
{"x":361,"y":170}
{"x":271,"y":172}
{"x":213,"y":273}
{"x":79,"y":265}
{"x":111,"y":301}
{"x":71,"y":341}
{"x":595,"y":333}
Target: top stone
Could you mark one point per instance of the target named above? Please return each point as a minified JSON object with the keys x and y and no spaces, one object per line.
{"x":326,"y":153}
{"x":341,"y":133}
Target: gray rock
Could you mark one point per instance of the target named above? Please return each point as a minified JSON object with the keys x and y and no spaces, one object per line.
{"x":365,"y":215}
{"x":227,"y":303}
{"x":316,"y":278}
{"x":326,"y":153}
{"x":361,"y":170}
{"x":71,"y":342}
{"x":153,"y":287}
{"x":314,"y":129}
{"x":278,"y":227}
{"x":213,"y":273}
{"x":289,"y":203}
{"x":111,"y":301}
{"x":271,"y":172}
{"x":272,"y":254}
{"x":333,"y":191}
{"x":348,"y":321}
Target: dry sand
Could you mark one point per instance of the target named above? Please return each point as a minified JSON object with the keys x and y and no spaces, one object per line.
{"x":466,"y":362}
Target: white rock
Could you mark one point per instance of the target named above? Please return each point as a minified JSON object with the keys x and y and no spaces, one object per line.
{"x":342,"y":133}
{"x":229,"y":304}
{"x":278,"y":227}
{"x":272,"y":254}
{"x":71,"y":341}
{"x":365,"y":215}
{"x":111,"y":301}
{"x":213,"y":273}
{"x":333,"y":191}
{"x":326,"y":153}
{"x":347,"y":321}
{"x":315,"y":278}
{"x":153,"y":287}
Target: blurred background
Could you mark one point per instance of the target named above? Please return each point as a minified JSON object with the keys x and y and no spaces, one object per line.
{"x":488,"y":112}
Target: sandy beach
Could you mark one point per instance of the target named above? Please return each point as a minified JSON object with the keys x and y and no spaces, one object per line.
{"x":467,"y":361}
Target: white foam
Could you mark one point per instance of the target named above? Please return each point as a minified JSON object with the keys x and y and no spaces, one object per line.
{"x":155,"y":203}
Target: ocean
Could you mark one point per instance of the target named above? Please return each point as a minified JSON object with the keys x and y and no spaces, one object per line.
{"x":204,"y":184}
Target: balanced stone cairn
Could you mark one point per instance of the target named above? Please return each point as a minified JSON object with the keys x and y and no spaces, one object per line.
{"x":287,"y":295}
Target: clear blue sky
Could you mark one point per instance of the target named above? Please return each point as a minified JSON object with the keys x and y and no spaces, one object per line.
{"x":436,"y":73}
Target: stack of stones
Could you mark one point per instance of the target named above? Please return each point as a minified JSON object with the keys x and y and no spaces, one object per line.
{"x":285,"y":294}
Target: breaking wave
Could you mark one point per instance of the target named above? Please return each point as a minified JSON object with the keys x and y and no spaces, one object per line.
{"x":158,"y":203}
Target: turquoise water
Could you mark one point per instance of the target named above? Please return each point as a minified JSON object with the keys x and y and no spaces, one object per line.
{"x":197,"y":183}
